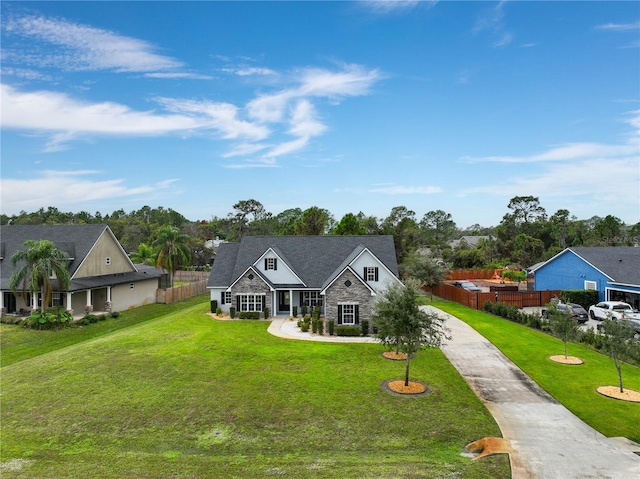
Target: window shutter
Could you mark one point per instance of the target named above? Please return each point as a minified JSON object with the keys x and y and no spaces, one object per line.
{"x":339,"y":314}
{"x":275,"y":264}
{"x":356,"y":312}
{"x":365,"y":274}
{"x":238,"y":303}
{"x":222,"y":297}
{"x":376,"y":273}
{"x":265,"y":264}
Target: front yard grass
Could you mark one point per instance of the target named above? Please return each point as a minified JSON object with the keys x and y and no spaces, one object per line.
{"x":573,"y":386}
{"x":185,"y":396}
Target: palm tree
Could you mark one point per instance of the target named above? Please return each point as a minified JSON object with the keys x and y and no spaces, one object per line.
{"x":145,"y":254}
{"x":42,"y":260}
{"x":172,"y":250}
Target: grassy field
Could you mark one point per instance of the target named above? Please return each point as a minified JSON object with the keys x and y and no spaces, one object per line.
{"x":185,"y":396}
{"x":573,"y":386}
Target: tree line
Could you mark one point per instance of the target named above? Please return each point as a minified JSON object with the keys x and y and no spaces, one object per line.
{"x":526,"y":234}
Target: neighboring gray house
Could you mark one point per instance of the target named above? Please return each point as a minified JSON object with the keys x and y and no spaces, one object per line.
{"x":614,"y":271}
{"x":341,"y":274}
{"x":103,"y":278}
{"x":468,"y":241}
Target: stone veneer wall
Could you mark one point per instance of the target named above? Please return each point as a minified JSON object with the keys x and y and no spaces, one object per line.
{"x":338,"y":292}
{"x":252,"y":286}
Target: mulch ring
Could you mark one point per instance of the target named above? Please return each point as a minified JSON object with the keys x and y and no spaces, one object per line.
{"x":561,"y":358}
{"x":614,"y":392}
{"x":394,"y":356}
{"x":396,"y":386}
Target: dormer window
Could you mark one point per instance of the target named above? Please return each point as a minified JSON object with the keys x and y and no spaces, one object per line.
{"x":270,"y":264}
{"x":371,"y":273}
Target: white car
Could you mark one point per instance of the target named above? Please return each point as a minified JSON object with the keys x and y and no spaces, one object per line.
{"x":613,"y":310}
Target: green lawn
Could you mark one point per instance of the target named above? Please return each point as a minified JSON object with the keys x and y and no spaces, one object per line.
{"x":184,"y":396}
{"x":573,"y":386}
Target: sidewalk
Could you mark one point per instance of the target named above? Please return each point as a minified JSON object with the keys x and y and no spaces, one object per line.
{"x":547,"y":440}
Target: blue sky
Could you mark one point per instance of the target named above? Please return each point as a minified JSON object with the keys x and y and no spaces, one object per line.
{"x":349,"y":106}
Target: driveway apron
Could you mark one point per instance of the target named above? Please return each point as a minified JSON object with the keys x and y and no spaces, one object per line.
{"x":546,"y":439}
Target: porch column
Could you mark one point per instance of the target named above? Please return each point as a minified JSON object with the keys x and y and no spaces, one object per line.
{"x":2,"y":302}
{"x":69,"y":308}
{"x":108,"y":294}
{"x":290,"y":303}
{"x":89,"y":307}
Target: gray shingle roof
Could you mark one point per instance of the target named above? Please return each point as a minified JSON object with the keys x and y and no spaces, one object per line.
{"x":314,"y":258}
{"x":75,"y":240}
{"x":622,"y":264}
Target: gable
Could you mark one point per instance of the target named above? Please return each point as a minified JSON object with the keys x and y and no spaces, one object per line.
{"x":105,"y":257}
{"x":276,"y":269}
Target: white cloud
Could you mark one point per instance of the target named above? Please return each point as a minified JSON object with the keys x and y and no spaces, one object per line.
{"x":82,"y":47}
{"x":179,"y":75}
{"x":619,"y":27}
{"x":392,"y":6}
{"x":65,"y":189}
{"x":407,"y":190}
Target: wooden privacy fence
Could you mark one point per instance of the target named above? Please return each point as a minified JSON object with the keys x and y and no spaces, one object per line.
{"x":191,"y":276}
{"x":521,"y":299}
{"x":178,"y":293}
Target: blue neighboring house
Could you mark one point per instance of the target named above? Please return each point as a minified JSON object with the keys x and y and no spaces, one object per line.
{"x":613,"y":271}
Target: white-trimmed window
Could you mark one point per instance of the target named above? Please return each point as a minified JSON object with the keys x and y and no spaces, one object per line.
{"x":107,"y":260}
{"x":56,"y":299}
{"x":250,"y":302}
{"x":590,"y":285}
{"x":226,"y":297}
{"x":311,"y":298}
{"x":348,"y":313}
{"x":270,"y":264}
{"x":370,"y":273}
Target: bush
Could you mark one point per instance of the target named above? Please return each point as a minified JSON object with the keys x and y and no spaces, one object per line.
{"x":331,"y":326}
{"x":316,"y":312}
{"x":47,"y":319}
{"x":303,"y":309}
{"x":314,"y":325}
{"x":364,"y":327}
{"x":348,"y":331}
{"x":295,"y":312}
{"x":219,"y":311}
{"x":320,"y":326}
{"x":265,"y":311}
{"x":584,"y":298}
{"x":115,"y":314}
{"x":232,"y":312}
{"x":91,"y":318}
{"x":249,"y":315}
{"x":304,"y":327}
{"x":214,"y":305}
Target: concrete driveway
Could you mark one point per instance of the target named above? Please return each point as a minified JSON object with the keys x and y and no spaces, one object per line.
{"x":546,"y":439}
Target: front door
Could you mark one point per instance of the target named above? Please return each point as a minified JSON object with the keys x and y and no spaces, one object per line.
{"x":284,"y":301}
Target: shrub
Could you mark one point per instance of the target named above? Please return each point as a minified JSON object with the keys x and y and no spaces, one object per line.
{"x":320,"y":326}
{"x":331,"y":326}
{"x":232,"y":312}
{"x":295,"y":312}
{"x":348,"y":331}
{"x":115,"y":314}
{"x":219,"y":311}
{"x":266,"y":313}
{"x":316,"y":312}
{"x":304,"y":327}
{"x":214,"y":305}
{"x":584,"y":298}
{"x":303,"y":309}
{"x":249,"y":315}
{"x":91,"y":318}
{"x":314,"y":325}
{"x":364,"y":327}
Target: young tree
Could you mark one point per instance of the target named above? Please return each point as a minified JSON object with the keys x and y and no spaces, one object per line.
{"x":145,"y":254}
{"x":402,"y":324}
{"x":39,"y":261}
{"x":172,"y":250}
{"x":619,"y":342}
{"x":349,"y":225}
{"x":563,"y":326}
{"x":313,"y":221}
